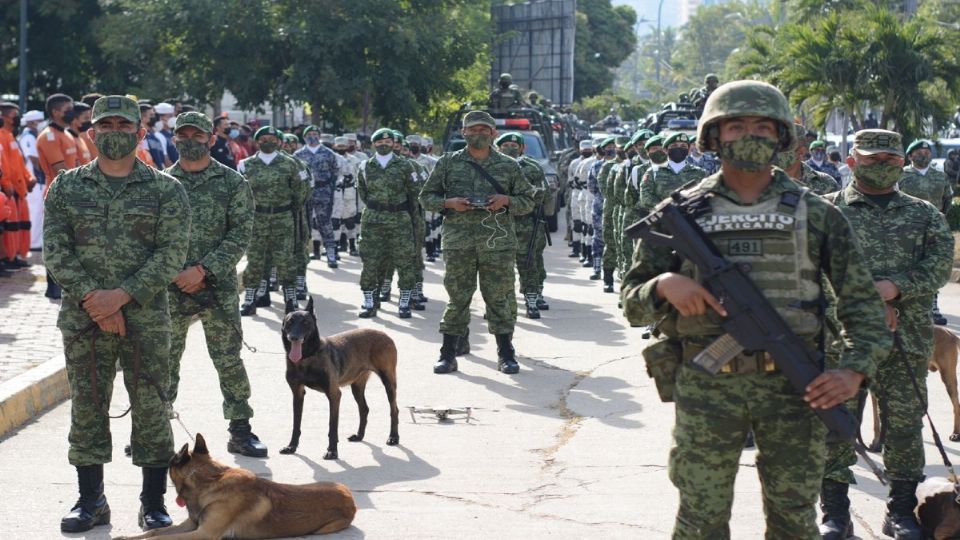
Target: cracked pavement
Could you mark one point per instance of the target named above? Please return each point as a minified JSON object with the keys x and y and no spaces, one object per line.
{"x":575,"y":446}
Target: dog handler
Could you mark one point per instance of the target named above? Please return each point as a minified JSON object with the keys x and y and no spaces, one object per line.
{"x":909,"y":262}
{"x":787,"y":238}
{"x":221,"y":206}
{"x":115,"y":236}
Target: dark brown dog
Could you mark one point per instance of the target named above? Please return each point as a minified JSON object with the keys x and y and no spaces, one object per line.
{"x":326,"y":364}
{"x":227,"y":502}
{"x":944,"y":360}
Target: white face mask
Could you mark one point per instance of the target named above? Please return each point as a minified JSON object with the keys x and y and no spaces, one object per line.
{"x":172,"y":122}
{"x":158,"y":125}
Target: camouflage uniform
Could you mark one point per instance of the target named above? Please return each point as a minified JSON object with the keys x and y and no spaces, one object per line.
{"x":477,"y":242}
{"x":531,"y":277}
{"x":825,"y":167}
{"x":596,"y":212}
{"x":660,"y":181}
{"x":324,"y":167}
{"x":605,"y":182}
{"x":916,"y":253}
{"x":715,"y":413}
{"x":930,"y":185}
{"x":221,"y":206}
{"x":103,"y":234}
{"x":818,"y":182}
{"x":387,"y":241}
{"x":280,"y":189}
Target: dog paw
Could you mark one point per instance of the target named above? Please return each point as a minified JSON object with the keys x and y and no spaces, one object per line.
{"x":955,"y":437}
{"x":288,"y":450}
{"x":393,"y":440}
{"x":355,"y":438}
{"x":331,"y":454}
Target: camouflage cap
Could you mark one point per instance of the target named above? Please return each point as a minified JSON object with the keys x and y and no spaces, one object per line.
{"x":510,"y":136}
{"x":656,"y":140}
{"x":382,"y":133}
{"x":121,"y":106}
{"x":877,"y":141}
{"x":919,"y":144}
{"x":267,"y":130}
{"x":677,"y":137}
{"x":194,"y":119}
{"x":476,"y":118}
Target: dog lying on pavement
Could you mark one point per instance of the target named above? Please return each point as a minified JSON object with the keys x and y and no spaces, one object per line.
{"x":326,"y":364}
{"x":228,"y":502}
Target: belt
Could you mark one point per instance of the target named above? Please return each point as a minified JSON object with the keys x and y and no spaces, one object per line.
{"x":760,"y":361}
{"x":273,"y":209}
{"x":401,"y":207}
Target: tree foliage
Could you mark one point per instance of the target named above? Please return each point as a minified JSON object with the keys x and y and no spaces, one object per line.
{"x":605,"y":38}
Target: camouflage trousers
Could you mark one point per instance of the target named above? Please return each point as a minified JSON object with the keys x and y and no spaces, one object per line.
{"x":532,"y":277}
{"x":91,"y":443}
{"x":495,"y":272}
{"x":900,"y":411}
{"x":713,"y":416}
{"x":220,"y":323}
{"x":597,"y":238}
{"x":609,"y":236}
{"x":384,"y":247}
{"x":419,"y":266}
{"x":321,"y":205}
{"x":272,"y":244}
{"x":303,"y":233}
{"x":626,"y":244}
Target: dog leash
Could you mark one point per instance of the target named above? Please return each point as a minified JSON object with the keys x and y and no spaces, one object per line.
{"x":898,"y":345}
{"x":211,"y":304}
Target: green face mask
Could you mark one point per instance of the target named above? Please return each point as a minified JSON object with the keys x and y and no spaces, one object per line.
{"x":749,"y":153}
{"x":658,"y":156}
{"x":479,"y":141}
{"x":878,"y":175}
{"x":268,"y":147}
{"x":384,"y":149}
{"x":116,"y":145}
{"x":921,"y":162}
{"x":511,"y":151}
{"x":785,"y":160}
{"x":191,"y":150}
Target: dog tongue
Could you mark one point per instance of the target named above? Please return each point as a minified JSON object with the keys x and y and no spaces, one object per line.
{"x":180,"y":502}
{"x":296,"y":352}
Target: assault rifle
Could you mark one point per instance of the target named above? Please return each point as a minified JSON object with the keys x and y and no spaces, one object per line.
{"x":537,"y":220}
{"x":751,"y":322}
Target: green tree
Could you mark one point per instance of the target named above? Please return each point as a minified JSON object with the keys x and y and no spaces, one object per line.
{"x":605,"y":38}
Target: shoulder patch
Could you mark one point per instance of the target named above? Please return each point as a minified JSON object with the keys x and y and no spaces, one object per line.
{"x":51,"y":136}
{"x":304,"y":175}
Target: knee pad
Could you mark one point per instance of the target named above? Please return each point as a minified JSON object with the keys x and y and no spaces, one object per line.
{"x":335,"y":223}
{"x":350,"y":223}
{"x":577,"y":226}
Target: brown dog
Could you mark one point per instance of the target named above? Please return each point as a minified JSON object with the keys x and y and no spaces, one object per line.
{"x":944,"y":360}
{"x":227,"y":502}
{"x":326,"y":364}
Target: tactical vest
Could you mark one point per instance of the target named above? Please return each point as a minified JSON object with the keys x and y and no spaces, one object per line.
{"x":769,"y":241}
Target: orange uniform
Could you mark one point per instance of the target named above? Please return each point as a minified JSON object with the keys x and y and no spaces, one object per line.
{"x":56,"y":145}
{"x":84,"y":155}
{"x":143,"y":153}
{"x":91,"y":147}
{"x":16,"y":177}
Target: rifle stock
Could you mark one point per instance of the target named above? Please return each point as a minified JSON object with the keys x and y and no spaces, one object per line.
{"x":751,"y":319}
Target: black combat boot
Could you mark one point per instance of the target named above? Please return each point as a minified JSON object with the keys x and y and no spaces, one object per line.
{"x":404,"y":303}
{"x":938,"y":317}
{"x":835,"y":505}
{"x":588,"y":260}
{"x":263,"y":294}
{"x":463,"y":345}
{"x":542,"y":304}
{"x":91,"y":508}
{"x":153,"y":513}
{"x":385,"y":291}
{"x":331,"y":257}
{"x":353,"y":247}
{"x":316,"y":250}
{"x":608,"y":280}
{"x":576,"y":250}
{"x":418,"y":293}
{"x":290,"y":300}
{"x":301,"y":287}
{"x":369,"y":308}
{"x":342,"y":243}
{"x":274,"y":284}
{"x":506,"y":356}
{"x":249,"y":305}
{"x":428,"y":246}
{"x":243,"y":441}
{"x":531,"y":301}
{"x":901,"y":522}
{"x":448,"y":358}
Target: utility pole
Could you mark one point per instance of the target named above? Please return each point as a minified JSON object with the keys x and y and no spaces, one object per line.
{"x":22,"y":62}
{"x":659,"y":44}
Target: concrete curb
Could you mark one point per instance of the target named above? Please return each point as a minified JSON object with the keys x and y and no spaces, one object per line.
{"x":27,"y":395}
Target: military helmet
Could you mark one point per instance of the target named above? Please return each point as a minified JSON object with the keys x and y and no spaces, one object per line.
{"x":745,"y":98}
{"x":506,"y":77}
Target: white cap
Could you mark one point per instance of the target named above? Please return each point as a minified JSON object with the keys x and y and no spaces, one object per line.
{"x":414,"y":139}
{"x":163,"y":108}
{"x":326,"y":137}
{"x":33,"y":116}
{"x":340,"y":140}
{"x":350,"y":136}
{"x":428,"y":140}
{"x":586,"y":144}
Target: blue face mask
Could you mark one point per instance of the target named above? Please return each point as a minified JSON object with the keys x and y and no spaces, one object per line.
{"x":234,"y":133}
{"x":610,"y":153}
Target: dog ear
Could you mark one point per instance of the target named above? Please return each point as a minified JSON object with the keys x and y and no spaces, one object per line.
{"x":200,"y":447}
{"x":310,"y":304}
{"x":182,"y":456}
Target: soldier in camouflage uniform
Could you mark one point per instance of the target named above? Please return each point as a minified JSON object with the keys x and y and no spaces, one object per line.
{"x":606,"y":160}
{"x":612,"y":201}
{"x":280,"y":187}
{"x":747,"y":122}
{"x":791,"y":161}
{"x":426,"y":163}
{"x":221,"y":209}
{"x":618,"y":191}
{"x":505,"y":95}
{"x":818,"y":160}
{"x":115,"y":235}
{"x":478,"y":241}
{"x":924,"y":182}
{"x":387,"y":186}
{"x":532,"y":275}
{"x":323,"y":165}
{"x":909,"y":263}
{"x":631,"y":193}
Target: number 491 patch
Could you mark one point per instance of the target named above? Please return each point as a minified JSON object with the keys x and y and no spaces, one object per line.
{"x":745,"y":246}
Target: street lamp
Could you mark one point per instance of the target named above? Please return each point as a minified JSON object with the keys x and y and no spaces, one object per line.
{"x":659,"y":45}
